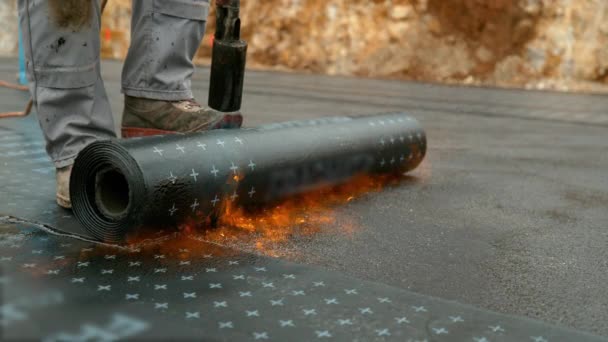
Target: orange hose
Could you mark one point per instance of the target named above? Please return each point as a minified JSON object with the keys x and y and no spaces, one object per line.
{"x":12,"y":86}
{"x":26,"y":112}
{"x":28,"y":107}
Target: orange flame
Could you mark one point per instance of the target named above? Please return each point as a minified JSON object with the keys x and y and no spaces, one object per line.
{"x":267,"y":230}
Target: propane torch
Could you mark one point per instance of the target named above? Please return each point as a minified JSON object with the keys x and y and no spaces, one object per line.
{"x":228,"y":59}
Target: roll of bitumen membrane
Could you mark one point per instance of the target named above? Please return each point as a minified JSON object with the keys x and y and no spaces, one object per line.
{"x":123,"y":188}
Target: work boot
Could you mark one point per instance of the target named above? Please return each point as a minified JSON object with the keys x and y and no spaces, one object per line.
{"x":144,"y":117}
{"x":63,"y":187}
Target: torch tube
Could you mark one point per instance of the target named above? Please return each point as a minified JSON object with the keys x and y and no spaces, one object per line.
{"x":128,"y":187}
{"x":228,"y":59}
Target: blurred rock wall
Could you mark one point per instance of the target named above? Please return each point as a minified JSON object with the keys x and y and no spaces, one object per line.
{"x":8,"y":28}
{"x":534,"y":43}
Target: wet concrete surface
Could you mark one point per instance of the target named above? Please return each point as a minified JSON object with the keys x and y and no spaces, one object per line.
{"x":508,"y":212}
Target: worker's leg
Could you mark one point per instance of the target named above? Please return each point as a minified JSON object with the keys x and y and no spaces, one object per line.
{"x":62,"y":53}
{"x":61,"y":40}
{"x":165,"y":35}
{"x":156,"y":79}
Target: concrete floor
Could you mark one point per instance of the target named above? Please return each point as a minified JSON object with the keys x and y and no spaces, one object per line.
{"x":508,"y":212}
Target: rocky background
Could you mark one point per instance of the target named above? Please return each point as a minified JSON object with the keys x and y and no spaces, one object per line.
{"x":557,"y":44}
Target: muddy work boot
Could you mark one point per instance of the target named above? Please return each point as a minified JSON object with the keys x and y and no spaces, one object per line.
{"x":63,"y":187}
{"x":145,"y":117}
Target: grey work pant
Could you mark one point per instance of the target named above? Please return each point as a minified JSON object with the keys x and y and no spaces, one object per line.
{"x":62,"y":46}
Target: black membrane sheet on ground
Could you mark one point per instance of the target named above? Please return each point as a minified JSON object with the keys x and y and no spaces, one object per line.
{"x":61,"y":288}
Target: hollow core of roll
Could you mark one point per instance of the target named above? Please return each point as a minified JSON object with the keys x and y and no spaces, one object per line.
{"x":112,"y":193}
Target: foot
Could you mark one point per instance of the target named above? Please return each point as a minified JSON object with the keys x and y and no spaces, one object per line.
{"x":63,"y":187}
{"x":143,"y":117}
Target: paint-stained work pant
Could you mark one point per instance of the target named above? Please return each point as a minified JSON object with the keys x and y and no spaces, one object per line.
{"x":62,"y":53}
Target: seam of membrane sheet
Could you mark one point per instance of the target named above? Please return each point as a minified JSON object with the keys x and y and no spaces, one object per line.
{"x":7,"y":219}
{"x":52,"y":230}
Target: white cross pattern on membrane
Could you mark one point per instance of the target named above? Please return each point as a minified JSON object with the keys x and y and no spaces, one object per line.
{"x":194,"y":175}
{"x":234,"y":168}
{"x":173,"y":210}
{"x":214,"y":171}
{"x":195,"y":205}
{"x":215,"y":201}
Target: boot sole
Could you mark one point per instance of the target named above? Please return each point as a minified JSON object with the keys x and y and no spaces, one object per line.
{"x":229,"y":121}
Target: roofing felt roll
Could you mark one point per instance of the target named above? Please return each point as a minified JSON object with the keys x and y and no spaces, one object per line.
{"x":121,"y":188}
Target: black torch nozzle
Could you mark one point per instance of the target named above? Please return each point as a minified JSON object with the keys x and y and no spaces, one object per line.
{"x":228,"y":59}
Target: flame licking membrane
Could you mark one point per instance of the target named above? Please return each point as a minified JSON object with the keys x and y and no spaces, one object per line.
{"x":266,"y":229}
{"x":269,"y":229}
